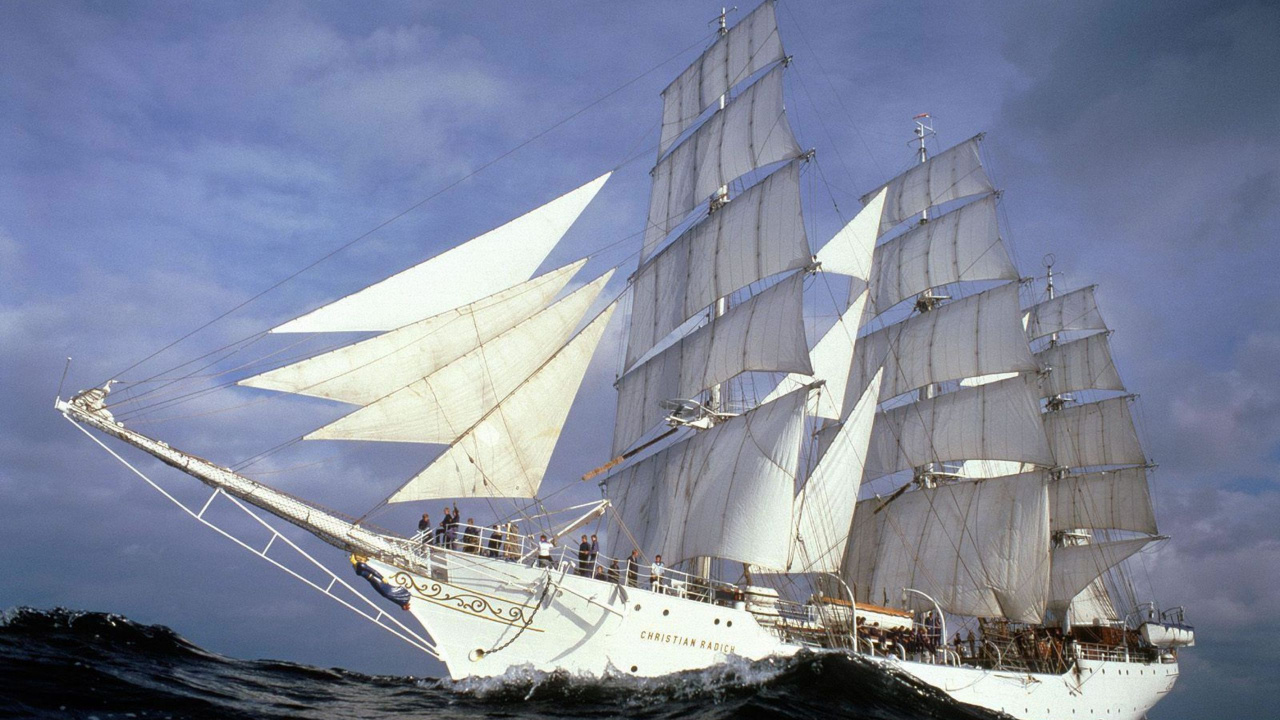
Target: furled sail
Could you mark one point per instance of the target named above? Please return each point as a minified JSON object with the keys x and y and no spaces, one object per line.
{"x":949,"y":175}
{"x":851,"y":250}
{"x":1076,"y":310}
{"x":1079,"y":365}
{"x":764,"y":333}
{"x":978,"y":547}
{"x":365,"y":371}
{"x":998,"y":421}
{"x":725,"y":492}
{"x":1076,"y":566}
{"x":824,"y":507}
{"x":1094,"y":434}
{"x":750,"y":132}
{"x":977,"y":335}
{"x":1113,"y":499}
{"x":749,"y":46}
{"x":506,"y":453}
{"x":760,"y":233}
{"x":960,"y":246}
{"x":437,"y":408}
{"x":449,"y":280}
{"x":831,"y":358}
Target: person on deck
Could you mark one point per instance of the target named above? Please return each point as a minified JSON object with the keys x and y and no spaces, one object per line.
{"x":656,"y":571}
{"x":442,"y":532}
{"x":633,"y":569}
{"x":452,"y":531}
{"x":584,"y":558}
{"x":544,"y":551}
{"x":595,"y":552}
{"x":424,"y":528}
{"x":613,"y":574}
{"x":471,"y":537}
{"x":495,"y":541}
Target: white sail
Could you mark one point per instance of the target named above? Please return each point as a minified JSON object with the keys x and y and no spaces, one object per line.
{"x":764,"y":333}
{"x":759,"y":234}
{"x":1093,"y":605}
{"x":365,"y":371}
{"x":506,"y":453}
{"x":749,"y":46}
{"x":1079,"y":365}
{"x":979,"y":548}
{"x":831,"y":358}
{"x":1094,"y":434}
{"x":824,"y":506}
{"x":725,"y":492}
{"x":949,"y":175}
{"x":960,"y":246}
{"x":977,"y":335}
{"x":1076,"y":310}
{"x":998,"y":421}
{"x":1076,"y":566}
{"x":1115,"y":499}
{"x":851,"y":250}
{"x":441,"y":406}
{"x":750,"y":132}
{"x":452,"y":278}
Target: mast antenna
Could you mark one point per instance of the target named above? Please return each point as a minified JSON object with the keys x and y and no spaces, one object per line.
{"x":924,"y":130}
{"x":723,"y":19}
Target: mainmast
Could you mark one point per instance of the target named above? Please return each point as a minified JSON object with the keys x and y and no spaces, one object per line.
{"x":927,"y":300}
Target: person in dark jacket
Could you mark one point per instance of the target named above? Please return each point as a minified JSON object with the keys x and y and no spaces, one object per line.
{"x":424,"y":528}
{"x":595,"y":553}
{"x":495,"y":541}
{"x":442,"y":532}
{"x":633,"y":568}
{"x":451,"y":532}
{"x":471,"y":537}
{"x":613,"y":573}
{"x":584,"y":558}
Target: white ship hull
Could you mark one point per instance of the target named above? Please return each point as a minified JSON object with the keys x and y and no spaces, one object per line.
{"x":489,"y":615}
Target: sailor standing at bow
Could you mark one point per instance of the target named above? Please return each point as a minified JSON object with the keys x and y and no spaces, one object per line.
{"x":544,"y":551}
{"x":655,"y":574}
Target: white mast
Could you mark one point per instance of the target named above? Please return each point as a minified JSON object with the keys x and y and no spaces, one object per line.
{"x":926,"y":301}
{"x":701,"y":566}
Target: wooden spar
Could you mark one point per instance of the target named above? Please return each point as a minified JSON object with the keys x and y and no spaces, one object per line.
{"x":626,"y":456}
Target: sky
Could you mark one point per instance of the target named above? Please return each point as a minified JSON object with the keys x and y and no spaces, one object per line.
{"x":164,"y":163}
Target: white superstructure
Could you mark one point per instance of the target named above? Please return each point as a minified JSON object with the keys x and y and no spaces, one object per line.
{"x":948,"y":482}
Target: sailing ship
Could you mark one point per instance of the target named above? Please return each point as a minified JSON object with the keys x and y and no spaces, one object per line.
{"x":947,"y":483}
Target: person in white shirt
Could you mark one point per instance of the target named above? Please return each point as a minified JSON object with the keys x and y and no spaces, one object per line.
{"x":544,"y":551}
{"x":655,"y":574}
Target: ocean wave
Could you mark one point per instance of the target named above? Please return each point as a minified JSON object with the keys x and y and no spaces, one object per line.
{"x":61,"y":663}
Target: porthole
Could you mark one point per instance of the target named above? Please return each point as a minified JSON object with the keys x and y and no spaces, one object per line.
{"x":637,"y":607}
{"x":666,"y":612}
{"x":728,"y":623}
{"x":717,"y":622}
{"x":633,"y":668}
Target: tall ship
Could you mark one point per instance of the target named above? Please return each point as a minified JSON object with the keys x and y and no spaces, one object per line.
{"x":947,"y":483}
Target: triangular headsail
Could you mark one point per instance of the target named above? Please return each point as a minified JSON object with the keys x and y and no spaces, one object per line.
{"x":437,"y":408}
{"x":363,"y":372}
{"x":505,"y":453}
{"x":451,"y":279}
